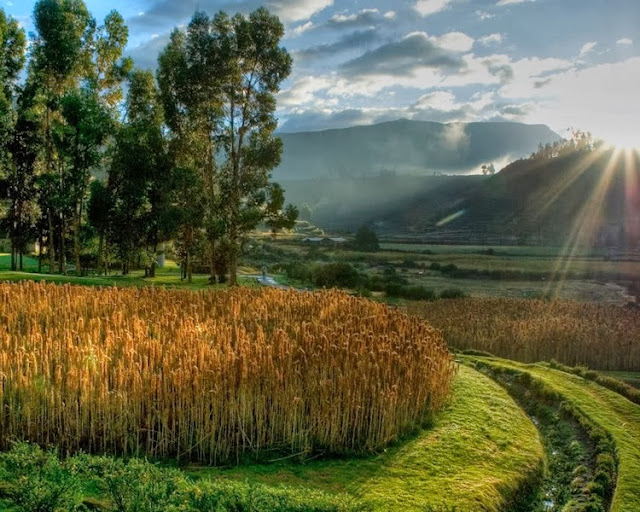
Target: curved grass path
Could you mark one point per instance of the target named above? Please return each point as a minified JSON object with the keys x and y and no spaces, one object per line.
{"x":481,"y":449}
{"x":612,"y":412}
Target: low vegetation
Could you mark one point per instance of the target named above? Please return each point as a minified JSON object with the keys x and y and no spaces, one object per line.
{"x":582,"y":456}
{"x":599,"y":336}
{"x":607,"y":409}
{"x":213,"y":376}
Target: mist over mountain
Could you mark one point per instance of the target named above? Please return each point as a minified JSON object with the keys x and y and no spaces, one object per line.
{"x":407,"y":147}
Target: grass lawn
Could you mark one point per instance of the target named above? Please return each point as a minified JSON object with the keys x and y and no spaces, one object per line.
{"x":168,"y":276}
{"x":481,"y":449}
{"x":612,"y":412}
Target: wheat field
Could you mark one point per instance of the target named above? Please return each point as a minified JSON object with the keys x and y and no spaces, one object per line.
{"x":603,"y":337}
{"x":212,"y":376}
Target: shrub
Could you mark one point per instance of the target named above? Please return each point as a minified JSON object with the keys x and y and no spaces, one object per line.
{"x":37,"y":481}
{"x":452,"y":293}
{"x":338,"y":275}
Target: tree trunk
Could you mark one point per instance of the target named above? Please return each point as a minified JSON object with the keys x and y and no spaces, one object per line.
{"x":100,"y":252}
{"x":189,"y":267}
{"x":51,"y":244}
{"x":62,"y":262}
{"x":20,"y":255}
{"x":212,"y":263}
{"x":40,"y":252}
{"x":76,"y":243}
{"x":13,"y":254}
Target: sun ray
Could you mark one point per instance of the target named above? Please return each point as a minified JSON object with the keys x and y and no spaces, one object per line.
{"x":585,"y":226}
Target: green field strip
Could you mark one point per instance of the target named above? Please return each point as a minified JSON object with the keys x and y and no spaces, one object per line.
{"x":612,"y":412}
{"x":480,"y":452}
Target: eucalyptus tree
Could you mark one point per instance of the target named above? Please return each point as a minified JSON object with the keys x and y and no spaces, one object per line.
{"x":14,"y":140}
{"x":61,"y":52}
{"x":253,"y":65}
{"x":218,"y":83}
{"x":190,"y":83}
{"x":138,"y":177}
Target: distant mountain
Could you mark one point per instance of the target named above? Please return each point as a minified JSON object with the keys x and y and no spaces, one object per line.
{"x":407,"y":147}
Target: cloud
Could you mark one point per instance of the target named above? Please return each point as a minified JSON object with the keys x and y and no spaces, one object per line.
{"x":364,"y":17}
{"x":428,"y":7}
{"x":625,"y":41}
{"x":145,"y":55}
{"x":454,"y":41}
{"x":390,"y":15}
{"x":172,"y":12}
{"x":483,"y":15}
{"x":502,"y":3}
{"x":347,"y":42}
{"x":402,"y":57}
{"x":575,"y":98}
{"x":587,"y":48}
{"x":490,"y":39}
{"x":301,"y":29}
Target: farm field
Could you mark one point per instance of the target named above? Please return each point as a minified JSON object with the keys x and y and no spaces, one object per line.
{"x":614,"y":413}
{"x":427,"y":438}
{"x":600,"y":336}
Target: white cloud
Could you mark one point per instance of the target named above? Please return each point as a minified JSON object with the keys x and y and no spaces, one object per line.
{"x":390,"y":15}
{"x":491,"y":39}
{"x":301,"y":29}
{"x":427,"y":7}
{"x":345,"y":18}
{"x":625,"y":41}
{"x":601,"y":98}
{"x":295,"y":10}
{"x":483,"y":15}
{"x":512,"y":2}
{"x":454,"y":41}
{"x":587,"y":48}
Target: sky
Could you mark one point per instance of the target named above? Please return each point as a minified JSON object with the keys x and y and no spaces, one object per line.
{"x":563,"y":63}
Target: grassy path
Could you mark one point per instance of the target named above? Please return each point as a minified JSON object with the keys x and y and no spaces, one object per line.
{"x":611,"y":411}
{"x":480,"y":451}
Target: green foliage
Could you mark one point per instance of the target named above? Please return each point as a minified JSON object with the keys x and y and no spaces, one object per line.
{"x":339,"y":275}
{"x":37,"y":481}
{"x":452,"y":293}
{"x":366,"y":239}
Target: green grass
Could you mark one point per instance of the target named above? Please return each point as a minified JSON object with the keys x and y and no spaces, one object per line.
{"x":168,"y":276}
{"x":481,"y":449}
{"x":612,"y":412}
{"x":631,"y":378}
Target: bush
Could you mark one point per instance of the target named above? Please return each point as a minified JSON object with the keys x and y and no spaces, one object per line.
{"x":452,"y":293}
{"x":339,"y":275}
{"x":36,"y":480}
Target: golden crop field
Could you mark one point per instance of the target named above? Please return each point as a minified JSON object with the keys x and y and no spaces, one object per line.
{"x":603,"y":337}
{"x":211,"y":376}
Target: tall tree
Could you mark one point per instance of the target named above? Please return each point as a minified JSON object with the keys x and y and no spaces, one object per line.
{"x":60,"y":57}
{"x":138,"y":174}
{"x":15,"y":135}
{"x":79,"y":139}
{"x":190,"y":83}
{"x":250,"y":66}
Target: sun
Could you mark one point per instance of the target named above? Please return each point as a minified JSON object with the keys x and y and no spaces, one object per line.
{"x":624,"y":140}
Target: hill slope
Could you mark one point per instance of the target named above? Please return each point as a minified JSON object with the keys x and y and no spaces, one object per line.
{"x":406,"y":147}
{"x":589,"y":198}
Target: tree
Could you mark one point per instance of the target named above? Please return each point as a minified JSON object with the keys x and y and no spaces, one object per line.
{"x":366,"y":239}
{"x":189,"y":81}
{"x":99,"y":210}
{"x":79,"y":138}
{"x":16,"y":144}
{"x":138,"y":177}
{"x":253,"y":66}
{"x":60,"y":56}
